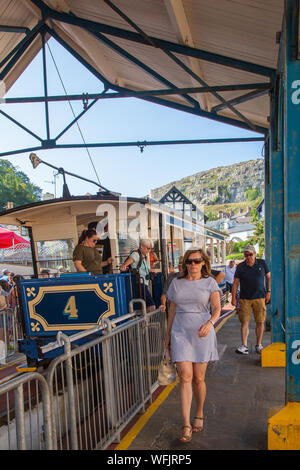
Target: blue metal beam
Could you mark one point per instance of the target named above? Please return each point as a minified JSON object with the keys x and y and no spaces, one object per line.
{"x":241,"y":99}
{"x":21,"y":43}
{"x":45,"y":84}
{"x":51,"y":144}
{"x":180,"y":63}
{"x":87,"y":108}
{"x":14,"y":29}
{"x":276,"y":223}
{"x":108,"y":42}
{"x":19,"y":50}
{"x":163,"y":102}
{"x":21,"y":125}
{"x":94,"y":26}
{"x":258,"y":87}
{"x":291,"y":173}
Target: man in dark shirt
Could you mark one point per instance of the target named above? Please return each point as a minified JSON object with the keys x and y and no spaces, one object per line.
{"x":253,"y":275}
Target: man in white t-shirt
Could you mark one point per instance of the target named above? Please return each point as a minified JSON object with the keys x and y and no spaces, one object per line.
{"x":229,"y":276}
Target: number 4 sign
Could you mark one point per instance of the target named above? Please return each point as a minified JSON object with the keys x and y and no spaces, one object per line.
{"x":70,"y":308}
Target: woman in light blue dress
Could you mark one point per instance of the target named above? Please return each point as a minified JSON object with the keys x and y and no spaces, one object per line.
{"x":194,"y":309}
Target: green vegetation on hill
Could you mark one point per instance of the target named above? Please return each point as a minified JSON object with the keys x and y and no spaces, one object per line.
{"x":16,"y":187}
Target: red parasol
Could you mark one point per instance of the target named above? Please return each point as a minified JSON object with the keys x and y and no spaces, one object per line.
{"x":9,"y":238}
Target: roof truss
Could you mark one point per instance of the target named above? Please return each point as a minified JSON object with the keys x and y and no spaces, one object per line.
{"x":46,"y":27}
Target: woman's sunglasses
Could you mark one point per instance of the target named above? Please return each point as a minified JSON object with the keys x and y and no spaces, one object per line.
{"x":194,"y":260}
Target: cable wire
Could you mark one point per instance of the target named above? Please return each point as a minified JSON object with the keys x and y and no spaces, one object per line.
{"x":80,"y":131}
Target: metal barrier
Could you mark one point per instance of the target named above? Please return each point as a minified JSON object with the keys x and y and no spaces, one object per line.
{"x":26,"y":421}
{"x":91,"y":392}
{"x":10,"y":332}
{"x":97,"y":388}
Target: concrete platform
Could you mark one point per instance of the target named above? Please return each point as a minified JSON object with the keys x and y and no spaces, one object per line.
{"x":240,"y":394}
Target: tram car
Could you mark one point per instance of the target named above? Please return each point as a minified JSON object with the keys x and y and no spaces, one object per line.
{"x":73,"y":302}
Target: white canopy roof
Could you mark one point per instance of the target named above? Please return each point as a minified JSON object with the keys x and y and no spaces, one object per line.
{"x":230,"y":42}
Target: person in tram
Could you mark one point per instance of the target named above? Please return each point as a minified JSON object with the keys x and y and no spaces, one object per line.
{"x":45,"y":273}
{"x":104,"y":244}
{"x":154,"y":261}
{"x":86,"y":257}
{"x":194,"y":308}
{"x":137,"y":261}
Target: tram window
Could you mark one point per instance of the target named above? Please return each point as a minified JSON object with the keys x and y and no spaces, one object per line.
{"x":56,"y":254}
{"x":126,"y":246}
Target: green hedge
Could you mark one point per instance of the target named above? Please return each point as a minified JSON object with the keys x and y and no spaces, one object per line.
{"x":235,"y":256}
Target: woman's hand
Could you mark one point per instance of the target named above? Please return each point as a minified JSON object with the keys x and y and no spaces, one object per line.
{"x":205,"y":329}
{"x":162,"y":307}
{"x":110,"y":260}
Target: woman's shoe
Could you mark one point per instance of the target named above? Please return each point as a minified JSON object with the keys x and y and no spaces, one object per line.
{"x":197,"y":428}
{"x":186,"y":436}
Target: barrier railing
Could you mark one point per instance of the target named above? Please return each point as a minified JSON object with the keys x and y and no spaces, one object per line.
{"x":10,"y":332}
{"x":94,"y":390}
{"x":25,"y":413}
{"x":97,"y":388}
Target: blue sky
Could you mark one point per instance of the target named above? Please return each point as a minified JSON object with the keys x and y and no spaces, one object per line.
{"x":125,"y":170}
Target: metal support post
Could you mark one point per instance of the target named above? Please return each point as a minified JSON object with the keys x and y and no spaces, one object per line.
{"x":284,"y":426}
{"x":71,"y":394}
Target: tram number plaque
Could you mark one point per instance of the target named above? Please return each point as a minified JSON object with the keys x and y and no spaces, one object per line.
{"x":68,"y":307}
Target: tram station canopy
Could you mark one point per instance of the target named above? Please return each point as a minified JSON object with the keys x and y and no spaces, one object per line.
{"x":222,"y":46}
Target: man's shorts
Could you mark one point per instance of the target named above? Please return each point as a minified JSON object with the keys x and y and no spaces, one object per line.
{"x":257,"y":305}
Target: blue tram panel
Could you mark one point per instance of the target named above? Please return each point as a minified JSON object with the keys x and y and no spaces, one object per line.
{"x":73,"y":303}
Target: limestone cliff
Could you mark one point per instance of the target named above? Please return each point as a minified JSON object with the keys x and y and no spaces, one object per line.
{"x":221,"y":185}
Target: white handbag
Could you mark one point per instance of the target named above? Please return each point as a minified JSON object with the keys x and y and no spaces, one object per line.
{"x":167,"y":373}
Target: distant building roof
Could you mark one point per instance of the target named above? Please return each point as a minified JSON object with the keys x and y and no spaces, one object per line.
{"x":175,"y":196}
{"x":241,"y":228}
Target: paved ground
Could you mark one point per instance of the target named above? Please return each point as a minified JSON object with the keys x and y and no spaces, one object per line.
{"x":239,"y":395}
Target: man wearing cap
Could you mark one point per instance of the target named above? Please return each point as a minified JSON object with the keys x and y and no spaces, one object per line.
{"x":254,"y":278}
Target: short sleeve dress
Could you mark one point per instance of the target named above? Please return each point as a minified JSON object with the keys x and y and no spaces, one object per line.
{"x":192,"y":299}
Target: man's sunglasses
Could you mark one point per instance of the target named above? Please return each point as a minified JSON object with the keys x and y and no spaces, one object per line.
{"x":195,"y":260}
{"x":248,"y":254}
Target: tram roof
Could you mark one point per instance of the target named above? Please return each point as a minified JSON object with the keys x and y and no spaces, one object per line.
{"x":221,"y":43}
{"x":19,"y":215}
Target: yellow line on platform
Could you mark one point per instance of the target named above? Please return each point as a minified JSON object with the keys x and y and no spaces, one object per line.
{"x":131,"y":435}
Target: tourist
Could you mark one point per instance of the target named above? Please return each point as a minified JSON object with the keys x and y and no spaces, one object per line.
{"x":191,"y":333}
{"x":136,"y":263}
{"x":254,"y":278}
{"x":86,"y":257}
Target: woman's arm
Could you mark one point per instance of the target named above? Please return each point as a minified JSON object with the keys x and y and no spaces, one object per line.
{"x":126,"y":264}
{"x":107,"y":262}
{"x":216,"y":311}
{"x":79,"y":267}
{"x":235,"y":286}
{"x":171,"y":315}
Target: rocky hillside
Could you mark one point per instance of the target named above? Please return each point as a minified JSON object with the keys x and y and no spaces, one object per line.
{"x":222,"y":185}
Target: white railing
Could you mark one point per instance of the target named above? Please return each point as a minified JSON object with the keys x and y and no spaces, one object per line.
{"x":97,"y":388}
